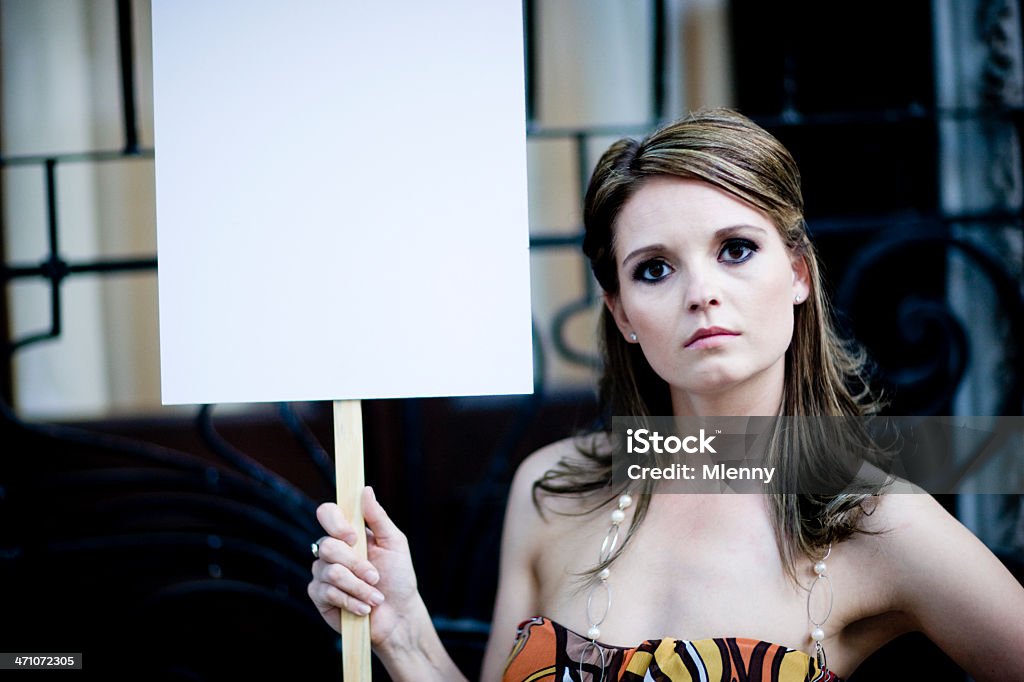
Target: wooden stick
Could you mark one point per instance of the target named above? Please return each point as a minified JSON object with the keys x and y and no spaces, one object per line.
{"x":348,"y":468}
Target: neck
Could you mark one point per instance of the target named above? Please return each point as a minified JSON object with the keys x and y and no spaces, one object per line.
{"x":758,"y":396}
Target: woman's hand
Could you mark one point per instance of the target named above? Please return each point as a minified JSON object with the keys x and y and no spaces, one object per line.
{"x":382,"y":586}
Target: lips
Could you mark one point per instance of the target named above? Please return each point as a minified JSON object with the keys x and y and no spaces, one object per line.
{"x":704,"y":336}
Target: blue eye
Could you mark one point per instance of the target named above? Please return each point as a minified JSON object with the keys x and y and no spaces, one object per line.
{"x":653,"y":270}
{"x":737,"y":251}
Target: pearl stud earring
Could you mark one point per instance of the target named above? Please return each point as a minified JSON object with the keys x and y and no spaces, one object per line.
{"x":632,"y":337}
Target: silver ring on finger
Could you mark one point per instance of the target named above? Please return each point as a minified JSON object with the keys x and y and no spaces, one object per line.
{"x":315,"y":548}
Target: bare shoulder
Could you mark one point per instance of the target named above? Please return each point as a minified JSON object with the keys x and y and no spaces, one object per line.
{"x":902,"y":529}
{"x":536,"y":464}
{"x":909,"y":545}
{"x":902,"y":511}
{"x":929,"y":544}
{"x":935,"y":566}
{"x":550,"y":458}
{"x":905,"y":522}
{"x":526,"y":527}
{"x":923,"y":569}
{"x":932,"y":566}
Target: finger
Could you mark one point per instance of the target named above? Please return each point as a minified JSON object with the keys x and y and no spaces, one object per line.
{"x":315,"y":589}
{"x":333,"y":520}
{"x":384,"y":530}
{"x":326,"y":597}
{"x":340,"y":577}
{"x":333,"y":551}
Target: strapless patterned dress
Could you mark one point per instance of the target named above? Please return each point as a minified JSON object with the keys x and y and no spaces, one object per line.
{"x":545,"y":651}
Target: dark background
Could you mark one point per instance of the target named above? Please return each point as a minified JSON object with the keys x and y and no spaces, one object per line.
{"x":178,"y":548}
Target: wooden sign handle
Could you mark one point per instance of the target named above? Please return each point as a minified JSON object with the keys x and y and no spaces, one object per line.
{"x":348,"y":468}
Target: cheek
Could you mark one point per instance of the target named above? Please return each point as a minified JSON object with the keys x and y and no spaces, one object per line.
{"x":647,"y":324}
{"x":646,"y":309}
{"x":775,"y":309}
{"x":658,"y":320}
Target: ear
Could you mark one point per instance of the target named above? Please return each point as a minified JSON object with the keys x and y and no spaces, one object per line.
{"x":614,"y":305}
{"x":801,"y":278}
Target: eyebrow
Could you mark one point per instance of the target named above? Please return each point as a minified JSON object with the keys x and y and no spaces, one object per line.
{"x":720,"y":233}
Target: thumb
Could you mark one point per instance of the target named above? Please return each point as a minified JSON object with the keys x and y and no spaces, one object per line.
{"x":377,"y":520}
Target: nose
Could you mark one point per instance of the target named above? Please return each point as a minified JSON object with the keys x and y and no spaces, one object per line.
{"x":701,"y":292}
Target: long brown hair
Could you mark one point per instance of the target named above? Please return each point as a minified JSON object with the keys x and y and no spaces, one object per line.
{"x":823,"y":373}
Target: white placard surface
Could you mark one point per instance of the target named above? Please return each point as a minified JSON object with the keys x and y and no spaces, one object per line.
{"x":341,"y":199}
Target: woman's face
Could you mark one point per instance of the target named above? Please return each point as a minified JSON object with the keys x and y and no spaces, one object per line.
{"x":708,"y":287}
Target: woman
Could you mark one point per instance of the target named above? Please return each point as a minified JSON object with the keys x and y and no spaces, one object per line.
{"x":714,"y":306}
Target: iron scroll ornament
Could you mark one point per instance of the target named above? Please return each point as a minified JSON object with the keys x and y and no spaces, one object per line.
{"x":917,"y":315}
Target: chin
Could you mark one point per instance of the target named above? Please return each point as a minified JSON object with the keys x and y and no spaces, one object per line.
{"x":712,"y":383}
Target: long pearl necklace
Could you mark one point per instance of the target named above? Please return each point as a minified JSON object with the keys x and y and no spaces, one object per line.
{"x":818,"y":632}
{"x":594,"y":621}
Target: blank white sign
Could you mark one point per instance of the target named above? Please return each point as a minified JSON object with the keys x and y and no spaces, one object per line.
{"x":341,"y":199}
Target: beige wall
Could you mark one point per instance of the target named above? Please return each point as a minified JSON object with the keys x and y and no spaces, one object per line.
{"x":594,"y":62}
{"x":61,"y":93}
